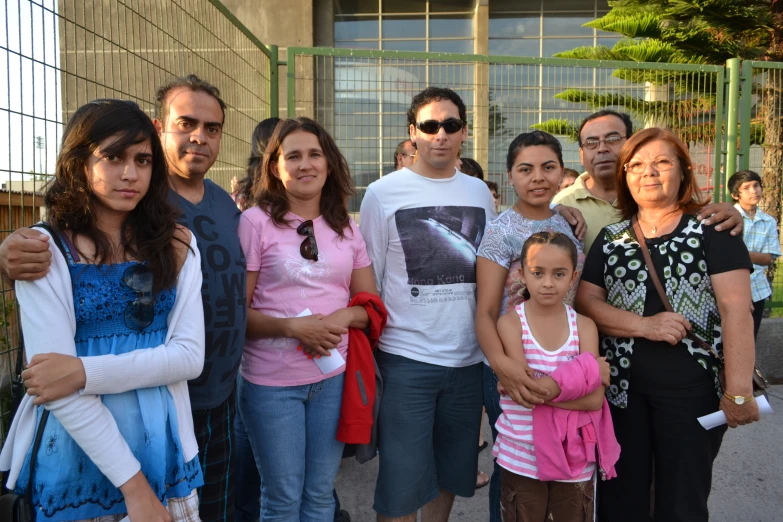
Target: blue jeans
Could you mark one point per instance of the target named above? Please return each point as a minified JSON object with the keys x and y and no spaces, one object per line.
{"x":247,"y":485}
{"x":247,"y":493}
{"x":492,"y":405}
{"x":292,"y":432}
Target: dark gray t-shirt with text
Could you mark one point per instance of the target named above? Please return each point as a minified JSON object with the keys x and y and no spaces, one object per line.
{"x":214,"y":221}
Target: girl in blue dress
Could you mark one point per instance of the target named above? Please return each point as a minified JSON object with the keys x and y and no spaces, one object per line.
{"x":113,"y":333}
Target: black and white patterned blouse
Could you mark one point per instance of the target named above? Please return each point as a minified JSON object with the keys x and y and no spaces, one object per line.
{"x":684,"y":260}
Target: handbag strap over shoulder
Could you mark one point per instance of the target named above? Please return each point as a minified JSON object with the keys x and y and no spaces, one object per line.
{"x":60,"y":240}
{"x":18,"y":368}
{"x":653,"y":274}
{"x":45,"y":415}
{"x":36,"y":446}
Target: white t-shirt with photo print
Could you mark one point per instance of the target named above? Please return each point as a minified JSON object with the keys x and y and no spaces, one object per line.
{"x":422,"y":235}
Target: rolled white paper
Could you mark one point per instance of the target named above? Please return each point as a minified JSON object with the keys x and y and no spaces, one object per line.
{"x":713,"y":420}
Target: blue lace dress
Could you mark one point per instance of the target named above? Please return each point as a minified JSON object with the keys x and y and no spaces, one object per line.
{"x":68,"y":486}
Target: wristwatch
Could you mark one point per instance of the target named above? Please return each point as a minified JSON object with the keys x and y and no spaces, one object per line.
{"x":739,"y":400}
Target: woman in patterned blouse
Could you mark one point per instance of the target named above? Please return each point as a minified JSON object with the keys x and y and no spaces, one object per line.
{"x":662,"y":380}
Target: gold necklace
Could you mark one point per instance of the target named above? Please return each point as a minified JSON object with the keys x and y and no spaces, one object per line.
{"x":654,"y":229}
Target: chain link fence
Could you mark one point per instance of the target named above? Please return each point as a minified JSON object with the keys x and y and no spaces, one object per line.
{"x":362,"y":98}
{"x":58,"y":55}
{"x":761,"y":146}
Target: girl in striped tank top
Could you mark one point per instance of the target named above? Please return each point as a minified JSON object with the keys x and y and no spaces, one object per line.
{"x":546,"y":333}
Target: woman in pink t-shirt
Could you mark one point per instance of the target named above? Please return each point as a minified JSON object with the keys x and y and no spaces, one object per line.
{"x":305,"y":259}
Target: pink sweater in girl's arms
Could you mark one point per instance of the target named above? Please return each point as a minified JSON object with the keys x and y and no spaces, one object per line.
{"x":566,"y":441}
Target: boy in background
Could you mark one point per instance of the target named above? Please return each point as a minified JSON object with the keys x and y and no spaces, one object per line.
{"x":493,"y":189}
{"x":760,"y":233}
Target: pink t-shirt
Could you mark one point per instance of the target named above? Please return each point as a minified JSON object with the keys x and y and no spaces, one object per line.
{"x":514,"y":444}
{"x":288,"y":284}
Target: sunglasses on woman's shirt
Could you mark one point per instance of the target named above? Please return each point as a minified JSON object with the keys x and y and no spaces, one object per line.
{"x":308,"y":248}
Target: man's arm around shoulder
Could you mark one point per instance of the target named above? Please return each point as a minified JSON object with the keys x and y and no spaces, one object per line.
{"x":25,"y":255}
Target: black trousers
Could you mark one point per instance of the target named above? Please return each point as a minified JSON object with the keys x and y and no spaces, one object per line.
{"x":758,"y":312}
{"x":662,"y":431}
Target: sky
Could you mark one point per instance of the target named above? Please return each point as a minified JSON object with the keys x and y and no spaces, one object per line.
{"x":30,"y":104}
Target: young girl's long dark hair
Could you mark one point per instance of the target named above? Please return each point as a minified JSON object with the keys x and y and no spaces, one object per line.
{"x":550,"y":238}
{"x":149,"y":229}
{"x":270,"y":193}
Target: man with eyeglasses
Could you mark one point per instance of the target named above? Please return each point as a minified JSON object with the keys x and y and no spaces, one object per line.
{"x":601,"y":136}
{"x":404,"y":155}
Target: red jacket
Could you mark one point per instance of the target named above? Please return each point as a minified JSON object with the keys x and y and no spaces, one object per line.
{"x":356,"y":412}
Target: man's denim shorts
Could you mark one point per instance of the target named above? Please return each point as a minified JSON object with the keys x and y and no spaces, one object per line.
{"x":428,"y":431}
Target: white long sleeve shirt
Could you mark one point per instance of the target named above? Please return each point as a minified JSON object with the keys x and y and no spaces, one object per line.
{"x":49,"y":325}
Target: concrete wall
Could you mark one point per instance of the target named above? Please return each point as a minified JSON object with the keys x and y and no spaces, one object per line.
{"x":96,"y":60}
{"x":285,"y":23}
{"x":769,"y":349}
{"x":282,"y":23}
{"x":323,"y":23}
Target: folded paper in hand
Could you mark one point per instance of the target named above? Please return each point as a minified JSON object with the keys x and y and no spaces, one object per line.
{"x":326,"y":364}
{"x":713,"y":420}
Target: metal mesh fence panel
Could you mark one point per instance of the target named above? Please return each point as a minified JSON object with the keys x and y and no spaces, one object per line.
{"x":761,"y":145}
{"x":362,"y":98}
{"x":58,"y":55}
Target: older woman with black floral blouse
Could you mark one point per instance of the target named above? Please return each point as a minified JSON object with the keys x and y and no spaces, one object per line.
{"x":661,"y":379}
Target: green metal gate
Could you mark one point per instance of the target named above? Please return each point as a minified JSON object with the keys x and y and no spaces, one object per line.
{"x":58,"y":54}
{"x":362,"y":98}
{"x":729,"y":116}
{"x":759,"y":146}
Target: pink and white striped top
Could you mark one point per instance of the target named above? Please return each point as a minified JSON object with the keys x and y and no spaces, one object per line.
{"x":514,"y":444}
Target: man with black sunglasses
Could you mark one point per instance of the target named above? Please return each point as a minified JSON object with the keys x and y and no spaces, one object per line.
{"x":601,"y":136}
{"x":422,"y":227}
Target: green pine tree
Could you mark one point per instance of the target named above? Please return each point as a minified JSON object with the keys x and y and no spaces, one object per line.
{"x":695,"y":32}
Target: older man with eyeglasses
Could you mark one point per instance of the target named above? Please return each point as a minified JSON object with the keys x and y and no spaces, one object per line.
{"x":601,"y":136}
{"x":404,"y":154}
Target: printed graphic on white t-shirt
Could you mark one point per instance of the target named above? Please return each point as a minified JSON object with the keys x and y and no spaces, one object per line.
{"x":423,"y":236}
{"x":440,"y":245}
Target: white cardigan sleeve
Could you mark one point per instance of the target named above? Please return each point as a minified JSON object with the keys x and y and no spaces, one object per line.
{"x":49,"y":325}
{"x":180,"y":358}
